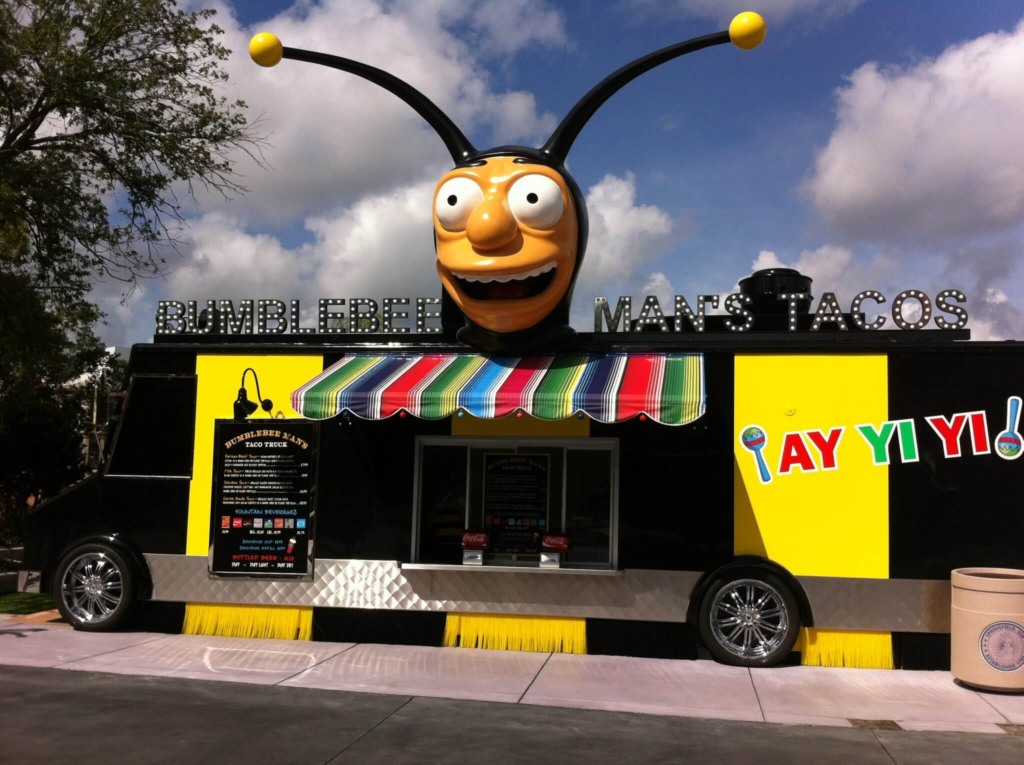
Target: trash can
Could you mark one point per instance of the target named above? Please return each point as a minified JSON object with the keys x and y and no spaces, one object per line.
{"x":987,"y":628}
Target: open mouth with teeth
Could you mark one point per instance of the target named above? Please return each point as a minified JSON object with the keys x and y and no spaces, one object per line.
{"x":506,"y":287}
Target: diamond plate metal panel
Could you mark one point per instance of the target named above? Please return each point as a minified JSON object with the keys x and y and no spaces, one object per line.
{"x":897,"y":605}
{"x":634,"y":594}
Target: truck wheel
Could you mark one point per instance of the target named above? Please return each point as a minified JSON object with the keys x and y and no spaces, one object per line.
{"x":94,"y":588}
{"x":749,"y":618}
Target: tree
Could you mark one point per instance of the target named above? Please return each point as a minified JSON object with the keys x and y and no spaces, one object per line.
{"x":110,"y":112}
{"x":43,"y":353}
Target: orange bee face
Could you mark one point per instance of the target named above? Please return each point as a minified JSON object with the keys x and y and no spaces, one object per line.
{"x":507,"y":233}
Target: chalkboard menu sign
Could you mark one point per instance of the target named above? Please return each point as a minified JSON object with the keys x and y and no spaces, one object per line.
{"x":263,"y":498}
{"x":516,"y":501}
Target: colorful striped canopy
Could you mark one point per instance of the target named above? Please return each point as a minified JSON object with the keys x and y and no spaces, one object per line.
{"x":668,"y":388}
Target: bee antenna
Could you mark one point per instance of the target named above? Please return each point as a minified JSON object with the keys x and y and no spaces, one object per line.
{"x":458,"y":145}
{"x":558,"y":145}
{"x":746,"y":31}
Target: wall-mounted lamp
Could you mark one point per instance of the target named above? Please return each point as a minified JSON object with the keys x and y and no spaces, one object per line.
{"x":243,"y":406}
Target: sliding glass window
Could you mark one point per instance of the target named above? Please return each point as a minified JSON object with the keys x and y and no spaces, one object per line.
{"x":516,"y":491}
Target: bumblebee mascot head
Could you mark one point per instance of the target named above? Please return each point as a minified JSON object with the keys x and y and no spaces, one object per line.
{"x":510,"y":224}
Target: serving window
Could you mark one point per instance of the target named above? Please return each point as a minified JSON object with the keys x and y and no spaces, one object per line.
{"x":516,"y":492}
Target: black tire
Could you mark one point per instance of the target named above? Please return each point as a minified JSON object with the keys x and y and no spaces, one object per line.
{"x":95,"y":587}
{"x":749,"y":617}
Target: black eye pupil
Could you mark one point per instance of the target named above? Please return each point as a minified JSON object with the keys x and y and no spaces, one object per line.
{"x":532,"y":198}
{"x":453,"y":200}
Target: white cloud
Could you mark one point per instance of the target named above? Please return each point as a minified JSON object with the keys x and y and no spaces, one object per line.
{"x":124,"y":323}
{"x":506,"y":26}
{"x":624,"y":238}
{"x":833,"y":268}
{"x":988,"y":272}
{"x":513,"y":116}
{"x":382,"y":246}
{"x":931,"y":151}
{"x":925,"y":163}
{"x":661,"y":287}
{"x":993,"y":317}
{"x":227,"y":262}
{"x":773,"y":11}
{"x":623,"y":234}
{"x":828,"y":266}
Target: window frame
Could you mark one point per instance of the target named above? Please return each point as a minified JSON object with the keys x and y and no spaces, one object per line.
{"x":132,"y":403}
{"x":609,"y":445}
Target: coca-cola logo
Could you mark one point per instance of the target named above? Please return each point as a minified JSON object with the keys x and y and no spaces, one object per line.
{"x":555,"y":543}
{"x":475,"y":539}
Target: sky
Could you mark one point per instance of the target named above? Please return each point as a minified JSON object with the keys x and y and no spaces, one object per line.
{"x":870,"y":144}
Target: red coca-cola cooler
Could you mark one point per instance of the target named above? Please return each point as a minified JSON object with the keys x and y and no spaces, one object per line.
{"x":553,"y":548}
{"x":474,"y":545}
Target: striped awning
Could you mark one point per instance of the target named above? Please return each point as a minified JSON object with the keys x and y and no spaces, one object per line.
{"x":668,"y":388}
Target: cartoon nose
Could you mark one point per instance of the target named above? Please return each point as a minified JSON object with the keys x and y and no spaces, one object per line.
{"x":491,"y":225}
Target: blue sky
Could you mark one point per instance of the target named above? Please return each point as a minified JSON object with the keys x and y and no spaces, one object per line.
{"x":870,"y":143}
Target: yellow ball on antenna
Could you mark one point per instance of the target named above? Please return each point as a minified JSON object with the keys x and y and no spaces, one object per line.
{"x":747,"y":30}
{"x":266,"y":49}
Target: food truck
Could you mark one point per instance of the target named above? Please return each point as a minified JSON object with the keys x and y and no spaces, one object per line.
{"x":790,"y":476}
{"x":765,"y":486}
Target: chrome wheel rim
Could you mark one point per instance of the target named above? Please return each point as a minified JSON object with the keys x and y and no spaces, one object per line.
{"x":749,"y":619}
{"x":92,"y":587}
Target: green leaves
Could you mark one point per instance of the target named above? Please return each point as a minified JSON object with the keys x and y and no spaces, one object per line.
{"x":47,"y":351}
{"x":107,"y":107}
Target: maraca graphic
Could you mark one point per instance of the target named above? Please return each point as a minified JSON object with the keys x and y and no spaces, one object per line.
{"x":754,"y":439}
{"x":1009,"y":443}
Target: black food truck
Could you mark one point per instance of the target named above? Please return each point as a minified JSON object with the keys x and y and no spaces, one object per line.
{"x":755,"y":492}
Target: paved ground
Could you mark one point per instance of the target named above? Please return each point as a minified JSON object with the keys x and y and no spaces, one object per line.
{"x":338,"y":702}
{"x":55,"y":717}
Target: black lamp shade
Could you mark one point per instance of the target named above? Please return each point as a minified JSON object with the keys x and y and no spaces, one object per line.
{"x":243,"y":406}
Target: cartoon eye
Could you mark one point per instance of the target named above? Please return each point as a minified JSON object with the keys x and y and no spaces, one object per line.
{"x":536,"y":201}
{"x":455,"y":202}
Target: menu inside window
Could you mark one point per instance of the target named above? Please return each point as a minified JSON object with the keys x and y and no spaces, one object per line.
{"x":263,"y":498}
{"x":515,"y":504}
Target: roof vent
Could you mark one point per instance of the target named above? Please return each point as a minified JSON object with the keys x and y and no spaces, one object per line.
{"x":765,"y":286}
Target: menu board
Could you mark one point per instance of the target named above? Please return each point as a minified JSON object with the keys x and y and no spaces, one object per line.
{"x":263,"y":498}
{"x":516,"y":501}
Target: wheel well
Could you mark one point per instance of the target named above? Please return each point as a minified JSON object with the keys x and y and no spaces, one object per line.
{"x":131,"y":553}
{"x":750,"y":561}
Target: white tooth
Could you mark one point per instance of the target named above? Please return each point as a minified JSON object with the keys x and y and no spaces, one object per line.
{"x":504,"y":279}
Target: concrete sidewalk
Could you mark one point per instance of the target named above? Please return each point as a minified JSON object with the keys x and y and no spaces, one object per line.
{"x":859,"y":698}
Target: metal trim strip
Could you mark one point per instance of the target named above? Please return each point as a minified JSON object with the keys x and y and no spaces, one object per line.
{"x":633,"y":594}
{"x":897,"y":605}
